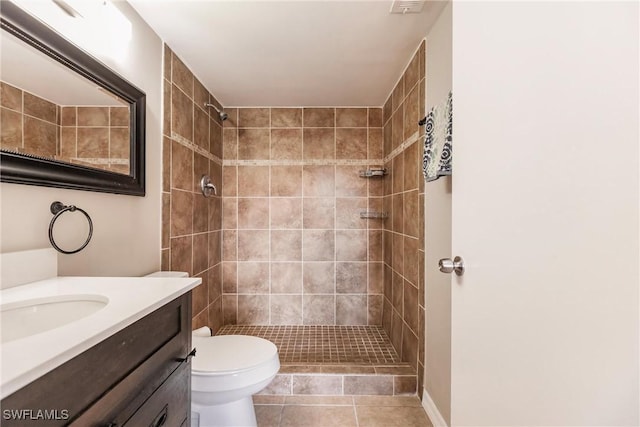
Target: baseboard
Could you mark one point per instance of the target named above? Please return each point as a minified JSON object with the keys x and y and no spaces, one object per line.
{"x":432,"y":410}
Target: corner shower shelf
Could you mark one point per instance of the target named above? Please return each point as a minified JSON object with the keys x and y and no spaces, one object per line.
{"x":373,"y":173}
{"x":373,"y":215}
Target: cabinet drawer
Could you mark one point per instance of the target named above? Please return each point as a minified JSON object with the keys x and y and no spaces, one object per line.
{"x":113,"y":378}
{"x":169,"y":405}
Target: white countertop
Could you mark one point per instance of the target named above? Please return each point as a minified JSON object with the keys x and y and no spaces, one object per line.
{"x":130,"y":299}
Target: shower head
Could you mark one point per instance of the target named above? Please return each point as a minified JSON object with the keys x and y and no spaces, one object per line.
{"x":223,"y":116}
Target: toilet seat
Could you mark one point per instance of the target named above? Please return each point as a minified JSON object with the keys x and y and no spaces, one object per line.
{"x":231,"y":354}
{"x":225,"y":372}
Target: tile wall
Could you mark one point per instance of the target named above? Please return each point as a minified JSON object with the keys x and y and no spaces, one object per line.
{"x":93,"y":136}
{"x":191,"y":223}
{"x":403,"y":238}
{"x":295,"y":250}
{"x":96,"y":136}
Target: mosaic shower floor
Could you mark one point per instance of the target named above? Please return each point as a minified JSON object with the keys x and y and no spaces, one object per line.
{"x":333,"y":360}
{"x":360,"y":345}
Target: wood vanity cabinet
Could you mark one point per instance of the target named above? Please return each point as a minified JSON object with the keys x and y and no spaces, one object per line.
{"x":138,"y":377}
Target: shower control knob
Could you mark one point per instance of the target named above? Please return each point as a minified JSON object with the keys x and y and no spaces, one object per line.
{"x":446,"y":265}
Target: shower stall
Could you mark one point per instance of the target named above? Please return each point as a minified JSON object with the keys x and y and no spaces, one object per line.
{"x":315,"y":238}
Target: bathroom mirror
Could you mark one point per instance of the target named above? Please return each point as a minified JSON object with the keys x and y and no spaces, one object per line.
{"x":67,"y":120}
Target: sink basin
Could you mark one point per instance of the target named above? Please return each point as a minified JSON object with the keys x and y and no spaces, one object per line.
{"x":28,"y":317}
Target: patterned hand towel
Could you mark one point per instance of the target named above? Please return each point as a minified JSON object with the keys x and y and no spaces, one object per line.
{"x":436,"y":160}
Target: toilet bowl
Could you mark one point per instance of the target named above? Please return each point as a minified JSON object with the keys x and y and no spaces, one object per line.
{"x":225,"y":372}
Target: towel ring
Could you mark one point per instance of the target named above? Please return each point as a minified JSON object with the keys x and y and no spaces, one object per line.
{"x":57,"y":209}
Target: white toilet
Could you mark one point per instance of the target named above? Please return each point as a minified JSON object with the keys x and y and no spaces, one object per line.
{"x":225,"y":372}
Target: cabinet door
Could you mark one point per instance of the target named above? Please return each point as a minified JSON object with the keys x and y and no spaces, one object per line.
{"x":169,"y":405}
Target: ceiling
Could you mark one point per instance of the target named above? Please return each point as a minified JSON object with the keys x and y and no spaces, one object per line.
{"x":291,"y":53}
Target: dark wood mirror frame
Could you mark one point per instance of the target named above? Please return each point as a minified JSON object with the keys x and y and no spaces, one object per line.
{"x":32,"y":170}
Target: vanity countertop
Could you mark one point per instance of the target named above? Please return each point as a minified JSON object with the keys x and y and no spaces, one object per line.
{"x":129,"y":299}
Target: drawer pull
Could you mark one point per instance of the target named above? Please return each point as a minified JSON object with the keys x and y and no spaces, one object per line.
{"x":161,"y":418}
{"x":191,"y":354}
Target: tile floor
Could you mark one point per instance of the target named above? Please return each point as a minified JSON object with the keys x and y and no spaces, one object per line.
{"x":340,"y":411}
{"x":360,"y":345}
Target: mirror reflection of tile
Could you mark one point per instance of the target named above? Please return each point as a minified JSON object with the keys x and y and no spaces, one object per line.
{"x":96,"y":137}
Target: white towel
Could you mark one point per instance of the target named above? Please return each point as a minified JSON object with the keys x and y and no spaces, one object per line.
{"x":436,"y":160}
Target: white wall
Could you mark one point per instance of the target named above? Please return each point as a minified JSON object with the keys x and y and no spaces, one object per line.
{"x":437,"y":376}
{"x":126,"y":238}
{"x":546,"y":187}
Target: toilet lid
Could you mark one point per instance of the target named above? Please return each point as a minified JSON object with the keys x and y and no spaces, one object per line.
{"x":225,"y":353}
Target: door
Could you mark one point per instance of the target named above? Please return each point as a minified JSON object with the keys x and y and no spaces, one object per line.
{"x":544,"y":325}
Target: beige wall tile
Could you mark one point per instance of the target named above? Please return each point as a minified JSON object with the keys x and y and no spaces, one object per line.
{"x":45,"y":110}
{"x":319,"y":212}
{"x":253,"y":144}
{"x":181,"y":250}
{"x":351,"y":310}
{"x":229,"y":181}
{"x":181,"y":213}
{"x":397,"y":128}
{"x":200,"y":253}
{"x":351,"y":277}
{"x":230,"y":144}
{"x":286,"y":278}
{"x":286,"y":245}
{"x":318,"y":117}
{"x":10,"y":97}
{"x":411,"y":113}
{"x":253,"y":309}
{"x":351,"y":143}
{"x":410,"y":307}
{"x":181,"y":167}
{"x":397,"y":96}
{"x":11,"y":129}
{"x":286,"y":117}
{"x":351,"y":117}
{"x":319,"y":277}
{"x":368,"y":384}
{"x":201,"y":128}
{"x":253,"y":213}
{"x":230,"y":277}
{"x":317,"y":384}
{"x":318,"y":245}
{"x":254,"y":117}
{"x":375,"y":117}
{"x":253,"y":181}
{"x":93,"y":142}
{"x":119,"y":145}
{"x":69,"y":117}
{"x":286,"y":181}
{"x":351,"y":245}
{"x":286,"y":144}
{"x":253,"y":277}
{"x":230,"y":309}
{"x":348,"y":213}
{"x":181,"y":114}
{"x":286,"y":309}
{"x":349,"y":183}
{"x":315,"y":312}
{"x":253,"y":245}
{"x":286,"y":213}
{"x":318,"y":181}
{"x":181,"y":75}
{"x":318,"y":144}
{"x":374,"y":310}
{"x":200,"y":94}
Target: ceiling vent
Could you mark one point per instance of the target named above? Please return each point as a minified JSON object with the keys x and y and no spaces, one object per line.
{"x":407,"y":6}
